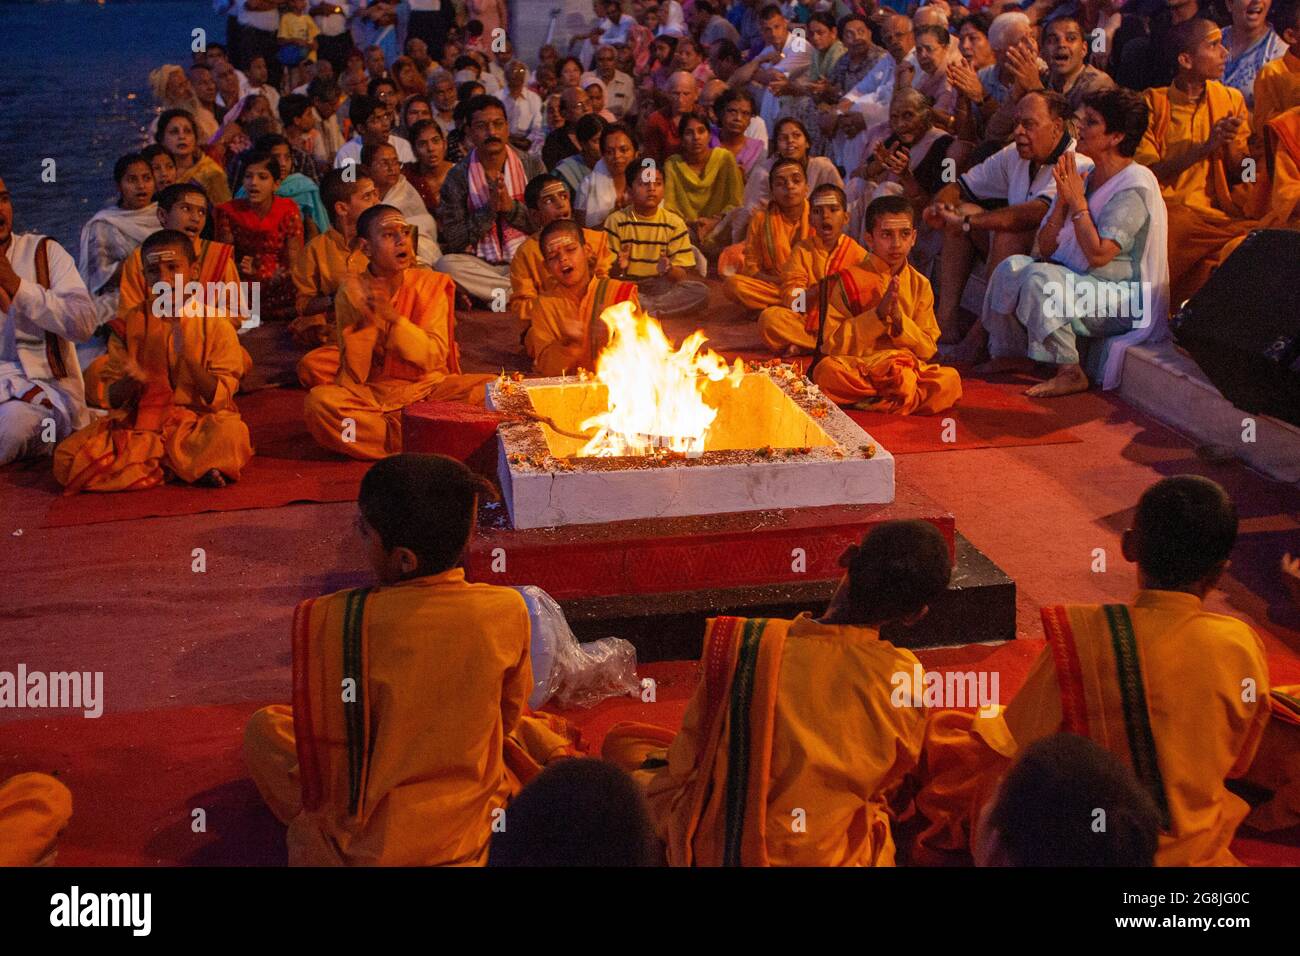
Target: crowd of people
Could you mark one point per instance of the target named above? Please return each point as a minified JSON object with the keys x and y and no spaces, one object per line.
{"x":898,"y":195}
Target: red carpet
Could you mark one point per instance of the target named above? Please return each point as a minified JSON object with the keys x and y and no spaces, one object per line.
{"x":989,"y":415}
{"x":288,"y":466}
{"x":137,"y":779}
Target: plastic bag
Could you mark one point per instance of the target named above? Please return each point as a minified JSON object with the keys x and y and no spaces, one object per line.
{"x":570,"y":674}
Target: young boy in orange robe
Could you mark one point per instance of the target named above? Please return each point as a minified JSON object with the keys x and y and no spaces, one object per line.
{"x":878,"y":357}
{"x":565,"y":332}
{"x":409,"y":731}
{"x":792,"y":744}
{"x":1179,"y":694}
{"x":773,"y":233}
{"x":319,"y":270}
{"x":171,"y":383}
{"x":183,"y":207}
{"x":791,"y":328}
{"x":548,"y":199}
{"x":397,"y":342}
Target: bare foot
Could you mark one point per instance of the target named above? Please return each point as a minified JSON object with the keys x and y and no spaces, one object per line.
{"x":1005,"y":363}
{"x":1067,"y":381}
{"x":213,"y":479}
{"x":794,"y":351}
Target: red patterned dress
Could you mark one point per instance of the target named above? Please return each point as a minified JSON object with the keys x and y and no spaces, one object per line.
{"x":266,"y":239}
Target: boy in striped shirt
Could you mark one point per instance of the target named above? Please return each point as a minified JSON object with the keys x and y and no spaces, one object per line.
{"x":646,"y":239}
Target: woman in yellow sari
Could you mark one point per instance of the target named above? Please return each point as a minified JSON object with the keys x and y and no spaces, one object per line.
{"x":179,"y":135}
{"x":702,"y":182}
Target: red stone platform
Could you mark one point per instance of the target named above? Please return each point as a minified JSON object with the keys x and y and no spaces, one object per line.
{"x":666,"y":555}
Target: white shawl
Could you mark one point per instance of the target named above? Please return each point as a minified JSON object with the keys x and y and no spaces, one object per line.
{"x":1153,"y":268}
{"x":109,"y":237}
{"x":597,"y":196}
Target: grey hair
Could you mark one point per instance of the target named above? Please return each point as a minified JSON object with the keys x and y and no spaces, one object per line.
{"x":1005,"y":26}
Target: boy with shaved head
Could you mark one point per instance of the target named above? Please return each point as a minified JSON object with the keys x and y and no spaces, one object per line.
{"x":548,"y":199}
{"x":791,"y":328}
{"x":397,"y":345}
{"x":773,"y":233}
{"x":565,"y":332}
{"x":1196,"y":145}
{"x":171,"y":381}
{"x":880,"y":331}
{"x":1161,"y":683}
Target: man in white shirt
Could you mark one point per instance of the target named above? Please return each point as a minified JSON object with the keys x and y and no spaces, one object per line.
{"x":373,"y":122}
{"x":996,"y":206}
{"x":44,"y":309}
{"x":523,"y":110}
{"x":620,"y":89}
{"x":786,"y":56}
{"x":868,"y":103}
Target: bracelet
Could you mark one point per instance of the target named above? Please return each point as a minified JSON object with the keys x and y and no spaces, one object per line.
{"x":1082,"y":212}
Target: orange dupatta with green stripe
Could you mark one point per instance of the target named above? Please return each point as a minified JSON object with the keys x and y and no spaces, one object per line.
{"x":1099,"y":667}
{"x":742,"y":666}
{"x":601,"y":294}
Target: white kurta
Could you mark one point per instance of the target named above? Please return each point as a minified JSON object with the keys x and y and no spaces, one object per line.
{"x":64,"y":309}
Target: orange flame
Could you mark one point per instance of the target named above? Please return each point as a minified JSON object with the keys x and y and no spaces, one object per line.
{"x":656,"y":394}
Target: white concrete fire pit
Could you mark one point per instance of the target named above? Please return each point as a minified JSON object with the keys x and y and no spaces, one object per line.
{"x":776,"y":443}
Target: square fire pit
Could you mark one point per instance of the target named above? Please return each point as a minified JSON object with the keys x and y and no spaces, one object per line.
{"x":776,"y":443}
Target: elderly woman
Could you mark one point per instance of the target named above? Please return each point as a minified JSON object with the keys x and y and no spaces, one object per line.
{"x":179,"y":136}
{"x":790,"y":141}
{"x":702,"y":183}
{"x":114,"y":232}
{"x":734,"y":110}
{"x":904,"y":157}
{"x":1106,"y":271}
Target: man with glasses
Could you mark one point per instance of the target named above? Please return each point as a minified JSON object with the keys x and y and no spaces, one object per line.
{"x":482,"y":216}
{"x":373,"y":122}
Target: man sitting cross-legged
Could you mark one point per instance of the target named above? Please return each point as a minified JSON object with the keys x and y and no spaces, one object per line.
{"x":791,"y":744}
{"x":792,"y":328}
{"x":996,"y":206}
{"x":773,"y":232}
{"x":548,"y":199}
{"x":1177,"y":693}
{"x":397,"y":344}
{"x":321,"y":267}
{"x":409,"y":729}
{"x":565,"y":332}
{"x":880,"y":331}
{"x":171,"y":381}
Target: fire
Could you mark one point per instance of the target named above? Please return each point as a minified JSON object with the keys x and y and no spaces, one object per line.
{"x":656,"y":394}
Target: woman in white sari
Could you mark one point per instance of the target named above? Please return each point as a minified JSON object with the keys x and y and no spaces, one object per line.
{"x":1103,"y":266}
{"x":606,"y":188}
{"x":114,"y":232}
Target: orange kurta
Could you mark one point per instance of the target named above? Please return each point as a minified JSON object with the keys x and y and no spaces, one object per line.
{"x":406,"y":356}
{"x":1277,"y":88}
{"x":408,"y":731}
{"x":319,"y":270}
{"x":215,"y":262}
{"x":34,"y":809}
{"x":545,"y":338}
{"x":867,"y":363}
{"x":1206,"y":209}
{"x":529,"y":278}
{"x":1185,"y":725}
{"x":805,"y":779}
{"x":768,"y":244}
{"x":783,"y":326}
{"x":170,"y":429}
